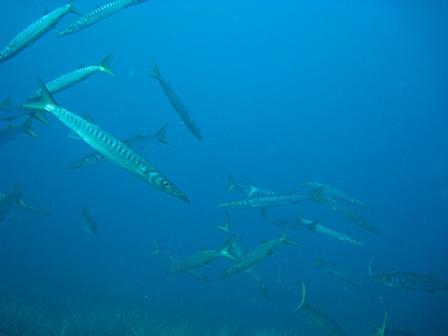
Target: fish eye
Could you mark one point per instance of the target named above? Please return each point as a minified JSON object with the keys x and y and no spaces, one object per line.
{"x":166,"y":184}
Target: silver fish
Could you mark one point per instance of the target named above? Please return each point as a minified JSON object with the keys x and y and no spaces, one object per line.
{"x":237,"y":251}
{"x":24,"y":205}
{"x":11,"y":132}
{"x":98,"y":14}
{"x":266,"y":201}
{"x":173,"y":260}
{"x":90,"y":223}
{"x":176,"y":103}
{"x":252,"y":257}
{"x":203,"y":258}
{"x":246,"y":188}
{"x":410,"y":281}
{"x":8,"y":203}
{"x":327,"y":325}
{"x":135,"y":142}
{"x":69,"y":79}
{"x":334,"y":193}
{"x":34,"y":31}
{"x":314,"y":226}
{"x":337,"y":206}
{"x":107,"y":145}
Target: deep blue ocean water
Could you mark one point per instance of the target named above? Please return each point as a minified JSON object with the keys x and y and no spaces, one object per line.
{"x":348,"y":93}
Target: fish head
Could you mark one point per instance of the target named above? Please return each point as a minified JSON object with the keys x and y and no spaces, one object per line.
{"x":385,"y":279}
{"x":164,"y":184}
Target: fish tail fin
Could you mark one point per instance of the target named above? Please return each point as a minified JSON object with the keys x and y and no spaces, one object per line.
{"x":381,"y":331}
{"x":40,"y":116}
{"x":155,"y":72}
{"x":73,"y":9}
{"x":286,"y":240}
{"x":27,"y":127}
{"x":225,"y":224}
{"x":160,"y":135}
{"x":157,"y":248}
{"x":105,"y":65}
{"x":230,"y":182}
{"x":303,"y":301}
{"x":6,"y":103}
{"x":44,"y":100}
{"x":225,"y":250}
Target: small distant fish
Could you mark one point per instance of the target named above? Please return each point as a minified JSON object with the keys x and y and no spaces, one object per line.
{"x":136,"y":142}
{"x":334,"y":193}
{"x":20,"y":203}
{"x":89,"y":222}
{"x":252,"y":257}
{"x":246,"y":188}
{"x":98,"y":14}
{"x":10,"y":132}
{"x":107,"y":145}
{"x":69,"y":79}
{"x":176,"y":103}
{"x":409,"y":281}
{"x":237,"y":251}
{"x":203,"y":258}
{"x":8,"y":203}
{"x":327,"y":325}
{"x":299,"y":223}
{"x":33,"y":32}
{"x":318,"y":197}
{"x":266,"y":201}
{"x":173,"y":260}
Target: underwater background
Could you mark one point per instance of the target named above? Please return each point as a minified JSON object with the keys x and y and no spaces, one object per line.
{"x":352,"y":94}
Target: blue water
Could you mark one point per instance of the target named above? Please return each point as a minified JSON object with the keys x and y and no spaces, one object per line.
{"x":348,"y":93}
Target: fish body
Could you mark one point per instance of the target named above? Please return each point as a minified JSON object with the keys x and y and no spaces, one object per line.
{"x":332,"y":234}
{"x":34,"y":31}
{"x":252,"y":257}
{"x":410,"y":281}
{"x":326,"y":324}
{"x":98,"y":14}
{"x":11,"y":132}
{"x":203,"y":258}
{"x":176,"y":103}
{"x":135,"y":142}
{"x":107,"y":145}
{"x":173,"y":261}
{"x":237,"y":252}
{"x":8,"y":203}
{"x":90,"y":223}
{"x":353,"y":216}
{"x":69,"y":79}
{"x":246,"y":188}
{"x":332,"y":192}
{"x":22,"y":204}
{"x":266,"y":201}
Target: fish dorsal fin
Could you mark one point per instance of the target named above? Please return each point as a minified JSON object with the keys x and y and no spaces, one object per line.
{"x":80,"y":66}
{"x":87,"y":116}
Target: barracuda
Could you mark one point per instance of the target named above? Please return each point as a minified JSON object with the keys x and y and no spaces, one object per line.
{"x":98,"y":14}
{"x":238,"y":252}
{"x":246,"y":188}
{"x":11,"y":132}
{"x":176,"y":103}
{"x":337,"y":194}
{"x":266,"y":201}
{"x":20,"y":203}
{"x":252,"y":257}
{"x":136,"y":142}
{"x":69,"y":79}
{"x":34,"y":31}
{"x":319,"y":318}
{"x":107,"y":145}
